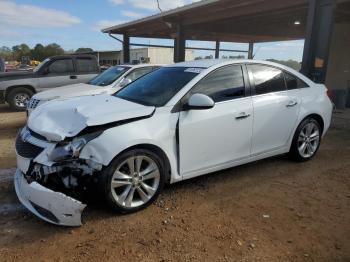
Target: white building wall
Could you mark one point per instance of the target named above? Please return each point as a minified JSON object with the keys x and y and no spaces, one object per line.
{"x":160,"y":55}
{"x":155,"y":55}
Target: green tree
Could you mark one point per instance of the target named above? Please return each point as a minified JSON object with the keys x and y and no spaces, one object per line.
{"x":291,"y":63}
{"x":20,"y":51}
{"x":52,"y":50}
{"x":236,"y":57}
{"x":38,"y":52}
{"x":6,"y":53}
{"x":83,"y":50}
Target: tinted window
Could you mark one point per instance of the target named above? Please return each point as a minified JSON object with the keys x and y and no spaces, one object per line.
{"x":159,"y":86}
{"x":267,"y":79}
{"x":223,"y":84}
{"x":108,"y":76}
{"x":294,"y":82}
{"x":137,"y":73}
{"x":86,"y":65}
{"x":38,"y":67}
{"x":61,"y":66}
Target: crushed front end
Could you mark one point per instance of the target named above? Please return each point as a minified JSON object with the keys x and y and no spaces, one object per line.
{"x":50,"y":176}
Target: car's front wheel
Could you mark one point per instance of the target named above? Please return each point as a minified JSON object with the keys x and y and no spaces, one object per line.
{"x":306,"y":140}
{"x":133,"y":180}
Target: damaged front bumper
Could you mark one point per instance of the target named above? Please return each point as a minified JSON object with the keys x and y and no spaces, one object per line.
{"x":54,"y":207}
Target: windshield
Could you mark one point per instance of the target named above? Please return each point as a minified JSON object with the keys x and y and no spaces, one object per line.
{"x":158,"y":87}
{"x":109,"y":76}
{"x":37,"y":68}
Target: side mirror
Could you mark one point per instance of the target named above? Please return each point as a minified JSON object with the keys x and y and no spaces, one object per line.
{"x":125,"y":82}
{"x":199,"y":102}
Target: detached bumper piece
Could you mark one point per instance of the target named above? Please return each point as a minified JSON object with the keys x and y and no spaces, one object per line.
{"x":53,"y":207}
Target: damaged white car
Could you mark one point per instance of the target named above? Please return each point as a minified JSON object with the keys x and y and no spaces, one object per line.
{"x":174,"y":123}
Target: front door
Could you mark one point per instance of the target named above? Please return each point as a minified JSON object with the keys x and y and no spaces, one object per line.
{"x":59,"y":73}
{"x":214,"y":137}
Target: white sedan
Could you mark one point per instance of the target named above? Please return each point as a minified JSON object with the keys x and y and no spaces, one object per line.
{"x":175,"y":123}
{"x":109,"y":82}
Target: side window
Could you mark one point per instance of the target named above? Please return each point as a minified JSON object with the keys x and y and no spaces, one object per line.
{"x":267,"y":79}
{"x":294,"y":82}
{"x":62,"y":66}
{"x":86,"y":65}
{"x":223,"y":84}
{"x":137,"y":73}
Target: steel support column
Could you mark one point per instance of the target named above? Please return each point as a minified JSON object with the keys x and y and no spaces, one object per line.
{"x":126,"y":48}
{"x":317,"y":40}
{"x":179,"y":45}
{"x":217,"y":49}
{"x":250,"y":50}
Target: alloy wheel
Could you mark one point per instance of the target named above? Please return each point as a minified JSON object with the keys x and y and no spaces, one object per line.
{"x":308,"y":140}
{"x":135,"y":181}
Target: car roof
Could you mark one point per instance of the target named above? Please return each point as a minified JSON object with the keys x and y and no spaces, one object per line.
{"x":206,"y":63}
{"x":139,"y":65}
{"x":203,"y":63}
{"x":72,"y":56}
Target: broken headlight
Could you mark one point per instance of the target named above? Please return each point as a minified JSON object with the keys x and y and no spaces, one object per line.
{"x":72,"y":149}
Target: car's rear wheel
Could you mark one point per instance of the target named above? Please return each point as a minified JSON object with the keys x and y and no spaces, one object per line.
{"x":19,"y":97}
{"x":133,"y":180}
{"x":306,"y":140}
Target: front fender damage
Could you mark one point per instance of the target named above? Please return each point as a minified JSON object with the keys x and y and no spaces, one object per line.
{"x":54,"y":207}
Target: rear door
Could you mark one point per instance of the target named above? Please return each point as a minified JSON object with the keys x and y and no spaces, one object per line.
{"x":86,"y":68}
{"x":275,"y":109}
{"x":59,"y":72}
{"x":220,"y":135}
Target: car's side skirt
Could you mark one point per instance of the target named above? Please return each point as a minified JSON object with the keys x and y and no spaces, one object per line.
{"x":196,"y":173}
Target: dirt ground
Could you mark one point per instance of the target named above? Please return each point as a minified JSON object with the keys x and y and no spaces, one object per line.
{"x":270,"y":210}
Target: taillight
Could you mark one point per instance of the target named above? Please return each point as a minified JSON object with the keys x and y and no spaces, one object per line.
{"x":329,"y":93}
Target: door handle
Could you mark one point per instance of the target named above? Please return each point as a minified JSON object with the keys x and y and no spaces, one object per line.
{"x":73,"y":77}
{"x":292,"y":103}
{"x":242,"y":115}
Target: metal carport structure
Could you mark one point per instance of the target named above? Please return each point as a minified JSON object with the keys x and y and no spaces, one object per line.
{"x":246,"y":21}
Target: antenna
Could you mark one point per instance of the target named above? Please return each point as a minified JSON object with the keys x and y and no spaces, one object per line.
{"x":159,"y":6}
{"x":256,"y":51}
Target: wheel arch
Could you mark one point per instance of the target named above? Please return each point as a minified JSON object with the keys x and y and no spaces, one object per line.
{"x":160,"y":152}
{"x":11,"y":88}
{"x":317,"y":117}
{"x":313,"y":115}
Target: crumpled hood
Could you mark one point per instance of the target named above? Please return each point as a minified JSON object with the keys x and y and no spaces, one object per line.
{"x":59,"y":119}
{"x":71,"y":91}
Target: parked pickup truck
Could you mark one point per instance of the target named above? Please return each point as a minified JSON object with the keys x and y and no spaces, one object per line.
{"x":16,"y":88}
{"x":108,"y":82}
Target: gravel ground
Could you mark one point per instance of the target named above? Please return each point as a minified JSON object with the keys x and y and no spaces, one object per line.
{"x":270,"y":210}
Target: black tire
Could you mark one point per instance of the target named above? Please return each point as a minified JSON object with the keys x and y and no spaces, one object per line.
{"x":294,"y":153}
{"x":105,"y":179}
{"x":11,"y":97}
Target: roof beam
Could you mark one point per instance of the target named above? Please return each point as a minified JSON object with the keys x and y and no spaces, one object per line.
{"x":260,"y":6}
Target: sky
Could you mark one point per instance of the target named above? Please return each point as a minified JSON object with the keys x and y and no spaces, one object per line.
{"x":77,"y":23}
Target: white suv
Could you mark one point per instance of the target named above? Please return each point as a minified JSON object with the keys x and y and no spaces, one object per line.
{"x":109,"y":82}
{"x":177,"y":122}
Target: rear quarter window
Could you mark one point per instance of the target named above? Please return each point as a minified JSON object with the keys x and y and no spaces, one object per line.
{"x":294,"y":82}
